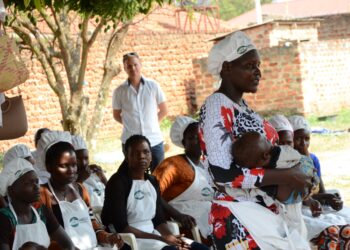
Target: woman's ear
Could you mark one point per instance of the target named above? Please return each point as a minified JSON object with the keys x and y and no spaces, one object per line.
{"x":266,"y":156}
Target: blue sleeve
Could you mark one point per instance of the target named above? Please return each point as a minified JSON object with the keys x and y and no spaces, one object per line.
{"x":316,"y":164}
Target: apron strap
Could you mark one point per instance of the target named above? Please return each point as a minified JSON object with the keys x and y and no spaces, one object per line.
{"x":54,"y":195}
{"x":15,"y":215}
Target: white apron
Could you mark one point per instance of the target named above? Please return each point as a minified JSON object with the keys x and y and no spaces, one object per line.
{"x":141,"y":209}
{"x":269,"y":230}
{"x":35,"y":232}
{"x":96,"y":191}
{"x":196,"y":201}
{"x":329,"y":217}
{"x":77,"y":222}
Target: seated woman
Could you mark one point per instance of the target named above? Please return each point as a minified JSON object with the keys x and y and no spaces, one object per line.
{"x":91,"y":176}
{"x":17,"y":151}
{"x":136,"y":205}
{"x":69,"y":200}
{"x":24,"y":219}
{"x":39,"y":167}
{"x":182,"y":180}
{"x":329,"y":230}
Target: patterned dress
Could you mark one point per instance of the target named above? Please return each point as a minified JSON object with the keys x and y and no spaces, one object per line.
{"x":221,"y":122}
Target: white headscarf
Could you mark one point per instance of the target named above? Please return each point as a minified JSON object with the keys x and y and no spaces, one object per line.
{"x":12,"y":171}
{"x":17,"y":151}
{"x":78,"y":142}
{"x":47,"y":140}
{"x":299,"y":122}
{"x":178,"y":128}
{"x":230,"y":48}
{"x":280,"y":123}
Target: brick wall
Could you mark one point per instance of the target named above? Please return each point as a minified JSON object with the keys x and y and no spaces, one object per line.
{"x":280,"y":89}
{"x":166,"y":58}
{"x":334,"y":27}
{"x":325,"y":75}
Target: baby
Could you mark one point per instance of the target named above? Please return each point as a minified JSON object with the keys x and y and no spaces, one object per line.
{"x":253,"y":150}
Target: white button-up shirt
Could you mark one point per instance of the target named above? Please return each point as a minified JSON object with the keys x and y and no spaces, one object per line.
{"x":139,"y":110}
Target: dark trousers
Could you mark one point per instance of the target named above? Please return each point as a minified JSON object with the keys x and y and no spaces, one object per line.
{"x":194,"y":246}
{"x":157,"y":155}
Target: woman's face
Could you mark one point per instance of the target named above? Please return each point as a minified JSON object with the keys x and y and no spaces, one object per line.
{"x":191,"y":141}
{"x":65,"y":169}
{"x":244,"y":73}
{"x":302,"y":141}
{"x":285,"y":137}
{"x":26,"y":188}
{"x":139,"y":156}
{"x":83,"y":163}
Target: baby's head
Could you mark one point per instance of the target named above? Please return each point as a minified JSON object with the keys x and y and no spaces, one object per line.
{"x":252,"y":150}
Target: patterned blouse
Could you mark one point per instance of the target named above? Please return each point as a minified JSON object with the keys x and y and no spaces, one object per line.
{"x":221,"y":122}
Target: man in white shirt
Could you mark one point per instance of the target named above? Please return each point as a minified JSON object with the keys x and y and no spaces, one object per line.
{"x":139,"y":104}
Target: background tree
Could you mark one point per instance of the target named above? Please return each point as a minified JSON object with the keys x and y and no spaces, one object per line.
{"x":232,"y":8}
{"x":60,"y":34}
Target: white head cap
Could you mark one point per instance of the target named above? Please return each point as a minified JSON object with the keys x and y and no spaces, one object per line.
{"x":78,"y":142}
{"x":17,"y":151}
{"x":47,"y":140}
{"x":280,"y":123}
{"x":12,"y":171}
{"x":178,"y":128}
{"x":230,"y":48}
{"x":299,"y":122}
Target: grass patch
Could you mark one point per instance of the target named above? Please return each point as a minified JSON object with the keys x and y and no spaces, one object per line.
{"x":340,"y":122}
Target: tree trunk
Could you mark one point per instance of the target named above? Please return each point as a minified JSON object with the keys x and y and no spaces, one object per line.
{"x":110,"y":71}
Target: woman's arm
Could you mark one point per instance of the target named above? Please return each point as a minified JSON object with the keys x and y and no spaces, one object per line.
{"x":62,"y":239}
{"x":186,"y":221}
{"x":293,"y":177}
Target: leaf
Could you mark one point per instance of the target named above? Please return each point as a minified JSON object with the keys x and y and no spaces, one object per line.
{"x":38,"y":4}
{"x":26,"y":3}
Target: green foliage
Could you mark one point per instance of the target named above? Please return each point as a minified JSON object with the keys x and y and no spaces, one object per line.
{"x":232,"y":8}
{"x":108,"y":9}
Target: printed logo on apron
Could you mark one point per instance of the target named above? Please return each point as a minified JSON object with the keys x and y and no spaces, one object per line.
{"x":74,"y":221}
{"x":206,"y":192}
{"x":97,"y":191}
{"x":139,"y":195}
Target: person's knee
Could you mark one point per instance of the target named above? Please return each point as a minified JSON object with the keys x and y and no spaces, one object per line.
{"x":198,"y":246}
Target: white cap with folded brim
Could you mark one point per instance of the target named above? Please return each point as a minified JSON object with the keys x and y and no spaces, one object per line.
{"x":299,"y":122}
{"x":12,"y":171}
{"x":78,"y":142}
{"x":178,"y":128}
{"x":230,"y":48}
{"x":17,"y":151}
{"x":280,"y":123}
{"x":47,"y":140}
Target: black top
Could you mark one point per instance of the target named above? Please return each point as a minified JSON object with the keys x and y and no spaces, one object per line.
{"x":116,"y":196}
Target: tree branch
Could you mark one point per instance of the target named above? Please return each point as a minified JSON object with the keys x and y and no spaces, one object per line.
{"x":58,"y":89}
{"x":95,"y":33}
{"x":110,"y":71}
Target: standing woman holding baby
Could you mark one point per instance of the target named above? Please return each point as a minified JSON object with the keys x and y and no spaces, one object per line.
{"x":241,"y":222}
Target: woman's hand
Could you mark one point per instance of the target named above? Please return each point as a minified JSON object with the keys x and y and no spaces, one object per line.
{"x":186,"y":221}
{"x":175,"y":240}
{"x":115,"y":239}
{"x":334,"y":201}
{"x":298,"y":180}
{"x":316,"y":208}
